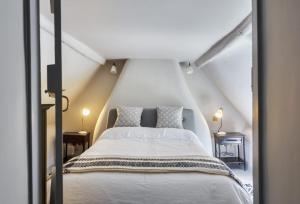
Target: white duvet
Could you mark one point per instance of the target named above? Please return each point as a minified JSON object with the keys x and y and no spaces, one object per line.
{"x":150,"y":188}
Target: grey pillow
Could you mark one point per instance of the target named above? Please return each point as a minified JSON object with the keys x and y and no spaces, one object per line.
{"x":128,"y":116}
{"x":169,"y":117}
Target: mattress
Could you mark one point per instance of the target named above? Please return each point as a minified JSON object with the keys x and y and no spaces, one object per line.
{"x":133,"y":187}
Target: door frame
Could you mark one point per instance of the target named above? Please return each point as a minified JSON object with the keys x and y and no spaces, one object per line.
{"x":35,"y":142}
{"x":33,"y":99}
{"x":257,"y":107}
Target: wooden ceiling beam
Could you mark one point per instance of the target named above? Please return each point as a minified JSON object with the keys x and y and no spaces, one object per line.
{"x":219,"y":46}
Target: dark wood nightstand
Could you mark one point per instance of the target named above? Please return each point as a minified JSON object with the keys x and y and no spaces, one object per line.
{"x":231,"y":138}
{"x":75,"y":138}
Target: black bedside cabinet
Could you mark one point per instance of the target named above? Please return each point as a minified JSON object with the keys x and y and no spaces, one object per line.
{"x":231,"y":138}
{"x":75,"y":138}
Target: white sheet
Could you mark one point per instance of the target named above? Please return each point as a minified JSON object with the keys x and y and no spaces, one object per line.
{"x":158,"y":188}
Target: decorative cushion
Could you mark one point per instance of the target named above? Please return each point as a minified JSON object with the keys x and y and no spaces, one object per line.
{"x":169,"y":117}
{"x":128,"y":116}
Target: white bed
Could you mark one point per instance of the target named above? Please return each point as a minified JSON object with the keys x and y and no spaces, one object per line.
{"x":149,"y":188}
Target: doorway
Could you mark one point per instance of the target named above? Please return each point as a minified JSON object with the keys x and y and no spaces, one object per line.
{"x":58,"y":99}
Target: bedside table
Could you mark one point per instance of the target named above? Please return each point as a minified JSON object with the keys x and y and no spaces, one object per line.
{"x":231,"y":138}
{"x":75,"y":138}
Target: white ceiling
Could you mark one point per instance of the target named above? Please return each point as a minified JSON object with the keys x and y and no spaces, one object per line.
{"x":174,"y":29}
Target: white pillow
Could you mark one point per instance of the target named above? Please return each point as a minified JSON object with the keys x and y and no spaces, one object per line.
{"x":169,"y":117}
{"x":128,"y":116}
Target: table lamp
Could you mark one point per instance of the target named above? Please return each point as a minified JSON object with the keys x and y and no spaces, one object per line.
{"x":84,"y":113}
{"x":218,"y":116}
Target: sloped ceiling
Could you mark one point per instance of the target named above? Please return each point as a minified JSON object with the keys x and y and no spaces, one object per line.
{"x":164,"y":29}
{"x":230,"y":71}
{"x":171,"y":29}
{"x":209,"y":98}
{"x":77,"y":69}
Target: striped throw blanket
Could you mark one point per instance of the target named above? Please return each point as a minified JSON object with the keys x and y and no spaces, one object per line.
{"x":161,"y":164}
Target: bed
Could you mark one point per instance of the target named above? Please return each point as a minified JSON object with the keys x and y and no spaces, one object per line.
{"x":148,"y":185}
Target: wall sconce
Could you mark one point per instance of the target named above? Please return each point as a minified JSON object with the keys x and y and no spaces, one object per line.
{"x":113,"y":69}
{"x":218,"y":116}
{"x":189,"y":69}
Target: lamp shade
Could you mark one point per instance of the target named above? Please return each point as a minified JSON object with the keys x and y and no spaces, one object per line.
{"x":113,"y":69}
{"x":85,"y":112}
{"x":218,"y":115}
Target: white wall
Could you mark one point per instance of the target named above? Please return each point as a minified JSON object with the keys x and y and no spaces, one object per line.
{"x":77,"y":71}
{"x":13,"y":151}
{"x":93,"y":96}
{"x":209,"y":98}
{"x":230,"y":71}
{"x":149,"y":83}
{"x":226,"y":81}
{"x":281,"y":86}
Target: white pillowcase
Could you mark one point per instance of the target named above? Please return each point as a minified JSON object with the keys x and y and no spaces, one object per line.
{"x":169,"y":117}
{"x":128,"y":116}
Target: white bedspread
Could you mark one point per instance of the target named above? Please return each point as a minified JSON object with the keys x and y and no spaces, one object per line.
{"x":150,"y":188}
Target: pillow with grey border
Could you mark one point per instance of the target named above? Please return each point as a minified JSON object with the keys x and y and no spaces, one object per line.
{"x":169,"y":117}
{"x":128,"y":116}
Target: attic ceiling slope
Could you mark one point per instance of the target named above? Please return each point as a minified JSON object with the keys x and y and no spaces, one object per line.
{"x":71,"y":42}
{"x":242,"y":29}
{"x":172,"y":29}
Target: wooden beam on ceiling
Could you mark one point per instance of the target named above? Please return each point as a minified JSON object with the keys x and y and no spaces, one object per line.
{"x":219,"y":46}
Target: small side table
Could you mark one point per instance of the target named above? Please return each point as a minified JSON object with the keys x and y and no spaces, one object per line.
{"x":76,"y":138}
{"x":231,"y":138}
